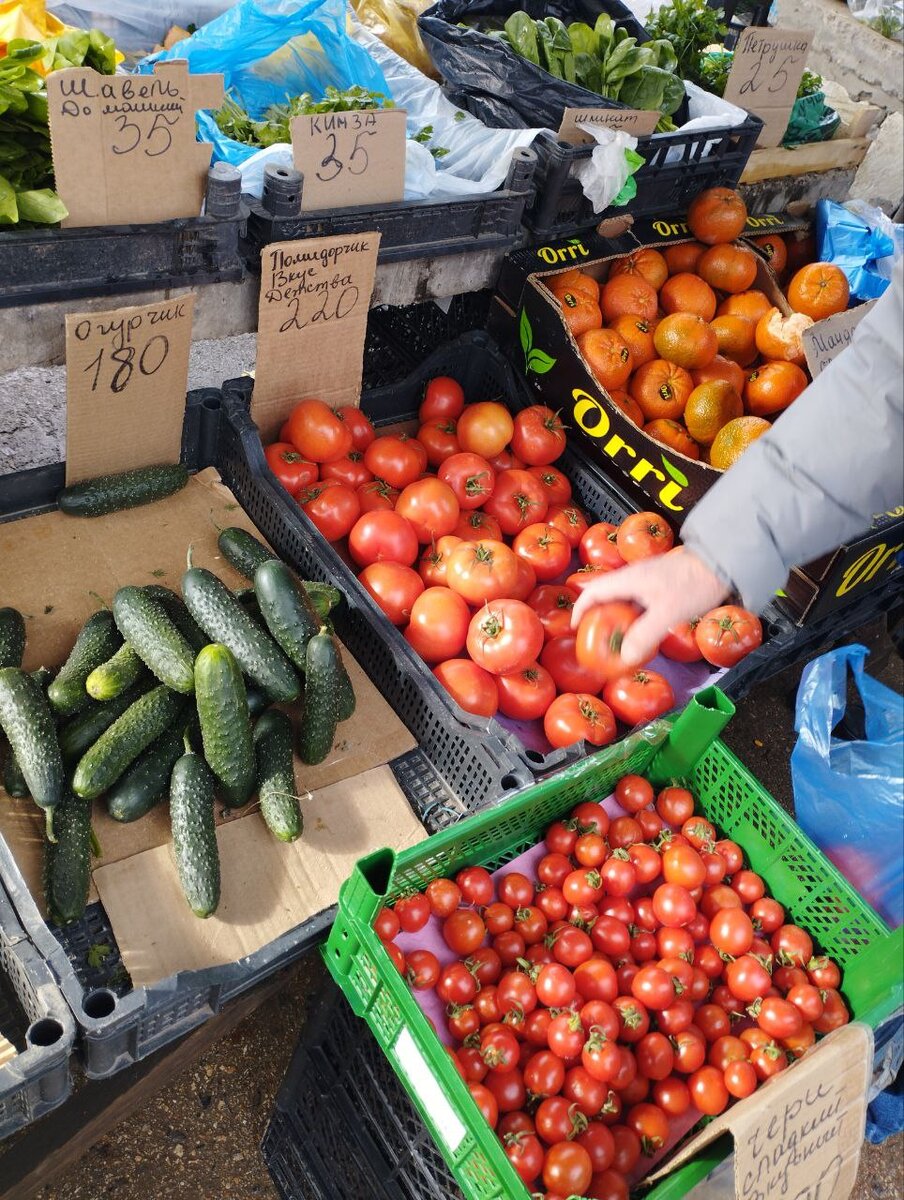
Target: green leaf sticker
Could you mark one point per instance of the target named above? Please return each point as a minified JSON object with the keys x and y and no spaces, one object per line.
{"x":525,"y":333}
{"x":674,"y":472}
{"x":539,"y":362}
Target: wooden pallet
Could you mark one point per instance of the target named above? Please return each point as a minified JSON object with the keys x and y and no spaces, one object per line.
{"x":7,"y":1050}
{"x":810,"y":158}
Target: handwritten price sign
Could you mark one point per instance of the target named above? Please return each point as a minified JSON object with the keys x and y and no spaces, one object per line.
{"x":350,"y":158}
{"x":126,"y":378}
{"x":314,"y":299}
{"x":124,"y":148}
{"x":765,"y":74}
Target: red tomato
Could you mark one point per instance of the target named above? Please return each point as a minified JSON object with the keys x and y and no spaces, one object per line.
{"x":583,"y":576}
{"x":463,"y":931}
{"x":518,"y":500}
{"x":675,"y":805}
{"x":439,"y":440}
{"x":565,"y":1035}
{"x":505,"y":461}
{"x":650,"y":1124}
{"x":557,"y":1120}
{"x":553,"y":602}
{"x":477,"y":527}
{"x":654,"y":988}
{"x":382,"y":537}
{"x":740,"y":1079}
{"x":545,"y":548}
{"x":683,"y":865}
{"x":525,"y":1152}
{"x":592,"y":817}
{"x":398,"y":958}
{"x":443,"y":896}
{"x":727,"y":634}
{"x":567,"y":1169}
{"x":333,"y":507}
{"x":600,"y":636}
{"x":394,"y":589}
{"x":792,"y":946}
{"x":731,"y":931}
{"x":638,"y":698}
{"x":482,"y":572}
{"x":598,"y":546}
{"x":570,"y":520}
{"x":601,"y":1057}
{"x":690,"y":1050}
{"x":823,"y":973}
{"x":673,"y":905}
{"x":525,"y":581}
{"x":768,"y":913}
{"x":476,"y":885}
{"x":556,"y":485}
{"x":470,"y":477}
{"x":485,"y":429}
{"x":505,"y":636}
{"x":387,"y":925}
{"x":708,"y":1091}
{"x":525,"y":695}
{"x":680,"y":643}
{"x":633,"y":793}
{"x":456,"y":985}
{"x":430,"y":506}
{"x":358,"y":425}
{"x":486,"y":1103}
{"x":643,"y":535}
{"x":834,"y":1013}
{"x":779,"y":1018}
{"x":595,"y":980}
{"x":672,"y":1095}
{"x":317,"y":433}
{"x":556,"y":986}
{"x":498,"y":1047}
{"x":443,"y":397}
{"x":508,"y":1089}
{"x":472,"y":688}
{"x":292,"y":470}
{"x":655,"y":1056}
{"x":349,"y":470}
{"x":435,"y":558}
{"x":578,"y":717}
{"x":747,"y":978}
{"x":394,"y":459}
{"x":599,"y":1144}
{"x":539,"y":436}
{"x":439,"y":620}
{"x":560,"y":660}
{"x":376,"y":496}
{"x":582,"y":887}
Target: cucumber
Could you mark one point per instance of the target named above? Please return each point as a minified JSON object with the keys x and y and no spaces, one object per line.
{"x":345,"y":693}
{"x":82,"y":731}
{"x":180,"y":616}
{"x":97,"y":640}
{"x":146,"y":781}
{"x":224,"y":620}
{"x":285,"y":609}
{"x":113,"y":677}
{"x":112,"y":493}
{"x":243,"y":550}
{"x":225,"y":725}
{"x":141,"y":723}
{"x":144,"y":623}
{"x":12,"y":637}
{"x":258,"y":701}
{"x":13,"y":780}
{"x":321,"y":710}
{"x":195,"y":833}
{"x":67,"y":862}
{"x":276,"y":776}
{"x":28,"y":724}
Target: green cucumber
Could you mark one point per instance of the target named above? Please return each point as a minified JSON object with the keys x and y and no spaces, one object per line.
{"x":179,"y":615}
{"x":243,"y":550}
{"x":321,"y":711}
{"x":116,"y":675}
{"x":28,"y":724}
{"x":345,"y":693}
{"x":225,"y":726}
{"x":276,"y":776}
{"x":13,"y":780}
{"x":117,"y":747}
{"x":67,"y":861}
{"x":97,"y":640}
{"x":285,"y":609}
{"x":224,"y":620}
{"x":129,"y":489}
{"x":12,"y":637}
{"x":258,"y":701}
{"x":195,"y":833}
{"x":82,"y":731}
{"x":146,"y":782}
{"x":144,"y":623}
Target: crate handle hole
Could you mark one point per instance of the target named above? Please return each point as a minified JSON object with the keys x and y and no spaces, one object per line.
{"x":211,"y":403}
{"x":534,"y":756}
{"x":377,"y":871}
{"x":100,"y":1003}
{"x":46,"y":1032}
{"x":510,"y":783}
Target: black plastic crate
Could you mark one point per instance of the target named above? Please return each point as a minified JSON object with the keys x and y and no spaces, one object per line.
{"x":417,"y":329}
{"x":708,"y":158}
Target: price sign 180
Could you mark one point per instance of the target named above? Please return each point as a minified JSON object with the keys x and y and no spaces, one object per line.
{"x":350,"y":158}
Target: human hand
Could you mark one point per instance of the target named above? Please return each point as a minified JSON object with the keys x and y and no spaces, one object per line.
{"x":670,"y":588}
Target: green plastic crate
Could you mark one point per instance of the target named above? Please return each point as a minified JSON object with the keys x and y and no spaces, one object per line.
{"x":812,"y":891}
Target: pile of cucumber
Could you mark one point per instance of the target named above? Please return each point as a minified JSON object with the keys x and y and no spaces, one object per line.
{"x":168,"y":696}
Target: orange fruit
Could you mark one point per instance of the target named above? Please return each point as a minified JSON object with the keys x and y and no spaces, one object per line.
{"x":751,"y":305}
{"x":820,"y":290}
{"x":626,"y":295}
{"x":607,"y":356}
{"x":637,"y":334}
{"x":647,"y":263}
{"x":772,"y":387}
{"x":772,"y":247}
{"x":580,"y":313}
{"x":661,"y":389}
{"x":781,"y":337}
{"x":674,"y":435}
{"x":728,"y":268}
{"x":574,"y":281}
{"x":717,"y":215}
{"x":685,"y":339}
{"x":628,"y":405}
{"x":709,"y":407}
{"x":733,"y":439}
{"x":688,"y":293}
{"x":721,"y":368}
{"x":736,"y":337}
{"x":683,"y":257}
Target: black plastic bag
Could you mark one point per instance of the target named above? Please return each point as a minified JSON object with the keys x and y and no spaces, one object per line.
{"x":485,"y":76}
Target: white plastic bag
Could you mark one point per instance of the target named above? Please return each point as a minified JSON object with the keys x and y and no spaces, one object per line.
{"x":136,"y":25}
{"x":605,"y":172}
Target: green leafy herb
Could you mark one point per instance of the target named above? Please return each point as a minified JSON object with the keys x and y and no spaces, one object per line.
{"x":97,"y":953}
{"x":275,"y":127}
{"x":690,"y":26}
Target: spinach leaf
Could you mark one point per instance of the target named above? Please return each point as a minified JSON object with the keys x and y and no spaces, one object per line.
{"x":523,"y":35}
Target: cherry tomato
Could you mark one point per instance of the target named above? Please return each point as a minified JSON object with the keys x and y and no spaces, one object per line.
{"x":474,"y":1069}
{"x":634,"y":1020}
{"x":676,"y":1017}
{"x":672,"y":1095}
{"x":470,"y":477}
{"x":317,"y":433}
{"x":608,"y":1185}
{"x":525,"y":1152}
{"x":727,"y":1049}
{"x":482,"y":572}
{"x":599,"y":1143}
{"x":431,"y":508}
{"x":376,"y":496}
{"x":655,"y":1056}
{"x":592,"y":817}
{"x":394,"y":589}
{"x":583,"y":887}
{"x":499,"y":1049}
{"x":690,"y":1050}
{"x":684,"y":866}
{"x":486,"y":1103}
{"x":699,"y":832}
{"x":456,"y":984}
{"x":557,"y":1120}
{"x":767,"y":914}
{"x":792,"y":946}
{"x":544,"y":1074}
{"x":575,"y":717}
{"x":333,"y":507}
{"x":644,"y":535}
{"x":292,"y":470}
{"x":508,"y":1090}
{"x":572,"y":947}
{"x":595,"y":979}
{"x":505,"y":636}
{"x":638,"y":698}
{"x":680,"y":643}
{"x":590,"y":850}
{"x":740,"y":1079}
{"x":823,"y":973}
{"x":472,"y":688}
{"x":565,"y":1036}
{"x":673,"y":905}
{"x":600,"y":636}
{"x":727,"y":634}
{"x":627,"y":1149}
{"x":747,"y":978}
{"x":749,"y":886}
{"x":485,"y":965}
{"x":675,"y":805}
{"x":708,"y":1091}
{"x":651,"y":823}
{"x":387,"y":925}
{"x":654,"y":988}
{"x":556,"y":986}
{"x":731,"y":854}
{"x":349,"y":470}
{"x":382,"y":536}
{"x":633,"y":793}
{"x":601,"y":1057}
{"x":567,"y":1169}
{"x":358,"y":424}
{"x":413,"y":912}
{"x":443,"y":896}
{"x":650,"y":1124}
{"x":570,"y":520}
{"x":398,"y":958}
{"x":731,"y":931}
{"x":463,"y":931}
{"x":779,"y":1018}
{"x":515,"y":992}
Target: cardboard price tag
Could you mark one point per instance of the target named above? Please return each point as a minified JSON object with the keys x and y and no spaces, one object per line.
{"x":350,"y":157}
{"x":314,"y":299}
{"x":126,"y":378}
{"x":765,"y":74}
{"x":635,"y":121}
{"x":124,"y":148}
{"x":826,"y":339}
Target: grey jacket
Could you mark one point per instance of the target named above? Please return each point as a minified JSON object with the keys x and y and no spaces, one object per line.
{"x":832,"y":461}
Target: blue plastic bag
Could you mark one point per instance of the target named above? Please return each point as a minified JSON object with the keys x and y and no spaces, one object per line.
{"x":269,"y":51}
{"x":849,"y":795}
{"x":848,"y":241}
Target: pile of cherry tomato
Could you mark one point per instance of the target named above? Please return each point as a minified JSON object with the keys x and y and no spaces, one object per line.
{"x":641,"y":977}
{"x":466,"y":536}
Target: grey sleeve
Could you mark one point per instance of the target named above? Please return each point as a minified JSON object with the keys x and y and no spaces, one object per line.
{"x":832,"y":461}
